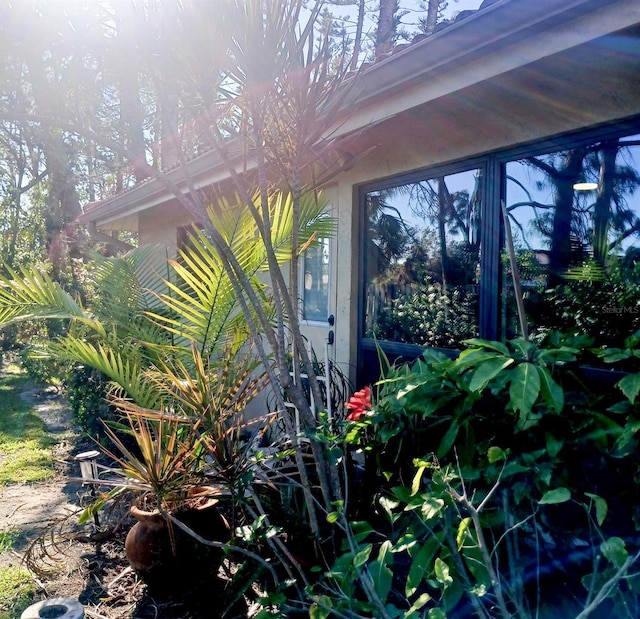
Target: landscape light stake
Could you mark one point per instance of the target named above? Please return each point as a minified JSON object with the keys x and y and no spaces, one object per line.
{"x":88,"y":461}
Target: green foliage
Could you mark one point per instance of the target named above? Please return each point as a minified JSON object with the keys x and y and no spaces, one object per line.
{"x":42,"y":369}
{"x":87,"y":390}
{"x":504,"y":456}
{"x":601,"y":302}
{"x":429,"y":315}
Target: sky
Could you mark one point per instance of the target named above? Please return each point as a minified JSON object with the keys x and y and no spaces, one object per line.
{"x":412,"y":8}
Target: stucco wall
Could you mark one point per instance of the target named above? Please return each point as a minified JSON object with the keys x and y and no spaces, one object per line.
{"x":160,"y":225}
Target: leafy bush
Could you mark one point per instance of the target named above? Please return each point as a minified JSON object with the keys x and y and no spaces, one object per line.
{"x":86,"y":389}
{"x":42,"y":369}
{"x":501,"y":483}
{"x":603,"y":302}
{"x":429,"y":316}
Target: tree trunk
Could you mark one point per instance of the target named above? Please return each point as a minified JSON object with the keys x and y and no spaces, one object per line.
{"x":602,"y":208}
{"x":432,"y":16}
{"x":560,"y":255}
{"x":386,"y":34}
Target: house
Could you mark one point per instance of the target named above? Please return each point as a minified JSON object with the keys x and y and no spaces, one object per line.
{"x":526,"y":108}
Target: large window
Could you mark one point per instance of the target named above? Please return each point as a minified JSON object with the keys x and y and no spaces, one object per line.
{"x":436,"y":270}
{"x":422,"y":254}
{"x":575,"y":218}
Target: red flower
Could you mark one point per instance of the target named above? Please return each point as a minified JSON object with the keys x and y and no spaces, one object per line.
{"x":359,"y":404}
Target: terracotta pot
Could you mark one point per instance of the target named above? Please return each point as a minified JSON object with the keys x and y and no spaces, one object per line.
{"x":169,"y":560}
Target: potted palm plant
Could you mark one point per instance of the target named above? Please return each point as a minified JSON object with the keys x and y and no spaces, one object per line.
{"x":163,"y":469}
{"x":185,"y":461}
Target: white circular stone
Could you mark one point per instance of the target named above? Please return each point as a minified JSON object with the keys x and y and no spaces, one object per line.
{"x":54,"y":608}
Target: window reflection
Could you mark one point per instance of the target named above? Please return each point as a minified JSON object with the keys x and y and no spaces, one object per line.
{"x":422,"y":257}
{"x":575,"y":218}
{"x":315,"y":284}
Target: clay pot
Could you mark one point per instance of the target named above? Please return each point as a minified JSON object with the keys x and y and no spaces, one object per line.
{"x":169,"y":560}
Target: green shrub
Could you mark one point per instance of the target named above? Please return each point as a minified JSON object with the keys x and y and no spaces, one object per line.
{"x":86,"y":389}
{"x":42,"y":369}
{"x":502,"y":483}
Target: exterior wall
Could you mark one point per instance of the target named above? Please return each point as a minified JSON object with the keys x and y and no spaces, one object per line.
{"x":160,"y":225}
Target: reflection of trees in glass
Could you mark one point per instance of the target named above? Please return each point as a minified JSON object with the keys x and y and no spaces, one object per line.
{"x":315,"y":289}
{"x":453,"y":212}
{"x":577,"y":224}
{"x":388,"y":234}
{"x":422,"y":275}
{"x":584,"y":239}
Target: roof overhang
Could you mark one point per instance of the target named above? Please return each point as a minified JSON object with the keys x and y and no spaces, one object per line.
{"x":499,"y":39}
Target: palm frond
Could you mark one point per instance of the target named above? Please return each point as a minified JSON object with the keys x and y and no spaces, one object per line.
{"x":134,"y":279}
{"x":121,"y":363}
{"x":204,"y":308}
{"x":28,"y":295}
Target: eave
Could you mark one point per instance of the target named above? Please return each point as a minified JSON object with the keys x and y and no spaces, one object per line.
{"x":500,"y":38}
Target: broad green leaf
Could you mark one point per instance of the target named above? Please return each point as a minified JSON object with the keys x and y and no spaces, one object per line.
{"x":615,"y":551}
{"x":448,"y":439}
{"x":436,"y":613}
{"x":441,"y":570}
{"x":321,"y":609}
{"x":495,"y":454}
{"x":630,"y":386}
{"x":600,"y":505}
{"x":613,"y":355}
{"x":380,"y":572}
{"x":453,"y":594}
{"x":550,"y":390}
{"x":360,"y":529}
{"x":417,"y":605}
{"x":362,"y":556}
{"x":405,"y":543}
{"x":558,"y":495}
{"x":523,"y":346}
{"x":388,"y":505}
{"x":488,"y":370}
{"x":417,"y":478}
{"x":554,"y":445}
{"x":462,"y":530}
{"x":473,"y":357}
{"x":626,"y":443}
{"x":525,"y":387}
{"x":408,"y":389}
{"x":491,"y":344}
{"x":431,"y":507}
{"x":421,"y":565}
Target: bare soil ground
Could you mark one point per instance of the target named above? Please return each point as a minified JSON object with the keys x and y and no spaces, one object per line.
{"x":63,"y":557}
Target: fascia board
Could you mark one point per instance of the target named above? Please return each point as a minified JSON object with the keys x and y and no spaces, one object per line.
{"x":205,"y":170}
{"x":484,"y":45}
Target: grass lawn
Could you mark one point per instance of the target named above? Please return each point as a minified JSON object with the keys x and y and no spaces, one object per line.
{"x":25,"y":447}
{"x":17,"y":592}
{"x":25,"y":456}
